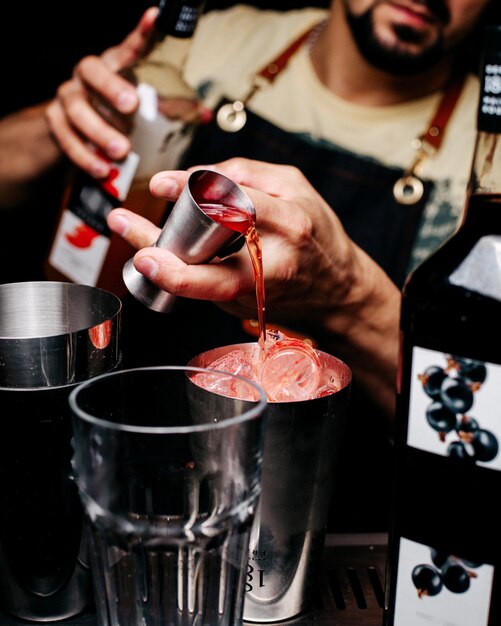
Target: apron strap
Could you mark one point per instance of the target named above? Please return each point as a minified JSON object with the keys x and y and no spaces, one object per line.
{"x":435,"y":133}
{"x":409,"y":187}
{"x":272,"y":69}
{"x":231,"y":117}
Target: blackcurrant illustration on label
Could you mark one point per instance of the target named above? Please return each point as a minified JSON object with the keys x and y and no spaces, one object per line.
{"x":455,"y":577}
{"x":458,"y":450}
{"x":473,"y":372}
{"x":452,"y":390}
{"x":427,"y":580}
{"x":441,"y":418}
{"x":432,"y":379}
{"x":456,"y":395}
{"x":447,"y":571}
{"x":438,"y":557}
{"x":466,"y":428}
{"x":485,"y":445}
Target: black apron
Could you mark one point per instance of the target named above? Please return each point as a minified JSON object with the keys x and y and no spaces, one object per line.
{"x":360,"y":191}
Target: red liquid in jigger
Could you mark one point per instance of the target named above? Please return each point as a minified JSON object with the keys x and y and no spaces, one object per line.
{"x":245,"y":223}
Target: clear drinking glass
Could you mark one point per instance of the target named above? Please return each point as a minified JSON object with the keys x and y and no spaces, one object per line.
{"x":169,"y":477}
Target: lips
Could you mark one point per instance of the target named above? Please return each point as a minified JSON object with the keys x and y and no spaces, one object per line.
{"x":414,"y":13}
{"x":425,"y":11}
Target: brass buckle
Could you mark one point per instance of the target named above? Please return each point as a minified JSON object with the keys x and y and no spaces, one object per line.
{"x":232,"y":116}
{"x":409,"y":188}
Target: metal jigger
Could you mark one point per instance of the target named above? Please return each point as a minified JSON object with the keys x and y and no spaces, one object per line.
{"x":190,"y":234}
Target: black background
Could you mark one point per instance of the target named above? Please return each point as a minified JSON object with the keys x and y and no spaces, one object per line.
{"x":40,"y":42}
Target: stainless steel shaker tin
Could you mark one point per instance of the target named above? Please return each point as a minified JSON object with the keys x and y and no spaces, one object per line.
{"x":56,"y":333}
{"x":302,"y":440}
{"x":52,"y":336}
{"x":190,"y":234}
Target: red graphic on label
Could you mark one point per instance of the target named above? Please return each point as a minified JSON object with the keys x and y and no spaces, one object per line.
{"x":82,"y":236}
{"x":108,"y":185}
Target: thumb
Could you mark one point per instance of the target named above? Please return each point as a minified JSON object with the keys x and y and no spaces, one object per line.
{"x":135,"y":45}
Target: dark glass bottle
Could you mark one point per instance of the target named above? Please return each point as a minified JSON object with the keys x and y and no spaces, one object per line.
{"x":444,"y":555}
{"x":83,"y":249}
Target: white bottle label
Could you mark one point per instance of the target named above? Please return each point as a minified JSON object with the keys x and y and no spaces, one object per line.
{"x":435,"y":589}
{"x":79,"y":250}
{"x":160,"y":141}
{"x":119,"y":180}
{"x":454,"y":407}
{"x":471,"y":273}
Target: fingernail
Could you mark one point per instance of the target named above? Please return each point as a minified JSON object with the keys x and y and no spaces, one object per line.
{"x":167,"y":187}
{"x":119,"y":224}
{"x":100,"y":169}
{"x":126,"y":101}
{"x":196,"y":168}
{"x":116,"y":147}
{"x":147,"y":266}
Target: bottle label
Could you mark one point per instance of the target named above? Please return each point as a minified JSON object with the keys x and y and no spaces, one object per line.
{"x":454,"y":407}
{"x":119,"y":180}
{"x":159,"y":140}
{"x":435,"y":588}
{"x":79,"y":250}
{"x":489,"y":112}
{"x":179,"y":18}
{"x":470,"y":273}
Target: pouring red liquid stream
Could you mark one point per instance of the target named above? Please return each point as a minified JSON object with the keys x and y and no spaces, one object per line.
{"x":290,"y":368}
{"x":242,"y":222}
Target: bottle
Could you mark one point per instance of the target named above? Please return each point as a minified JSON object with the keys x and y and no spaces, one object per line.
{"x":83,"y":249}
{"x":444,"y":552}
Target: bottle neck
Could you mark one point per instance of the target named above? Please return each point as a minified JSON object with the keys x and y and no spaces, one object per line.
{"x":486,"y":167}
{"x":484,"y":188}
{"x":168,"y":48}
{"x":178,"y":18}
{"x":176,"y":23}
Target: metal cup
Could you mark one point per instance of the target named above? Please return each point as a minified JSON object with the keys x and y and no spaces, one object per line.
{"x":302,"y":440}
{"x":190,"y":234}
{"x":52,"y":337}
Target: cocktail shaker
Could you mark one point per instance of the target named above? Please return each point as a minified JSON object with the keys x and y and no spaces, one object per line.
{"x":302,"y":443}
{"x":53,"y":335}
{"x":191,"y":234}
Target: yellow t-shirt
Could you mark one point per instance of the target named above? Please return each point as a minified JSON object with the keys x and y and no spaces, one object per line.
{"x":232,"y":45}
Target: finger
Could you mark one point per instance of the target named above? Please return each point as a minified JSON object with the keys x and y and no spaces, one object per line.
{"x":272,"y":214}
{"x":136,"y":230}
{"x":276,"y":180}
{"x":135,"y":45}
{"x":101,"y":79}
{"x":71,"y":143}
{"x":101,"y":73}
{"x":89,"y":123}
{"x":220,"y":282}
{"x":180,"y":109}
{"x":168,"y":184}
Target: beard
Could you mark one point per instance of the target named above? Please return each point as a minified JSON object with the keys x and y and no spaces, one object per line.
{"x":396,"y":59}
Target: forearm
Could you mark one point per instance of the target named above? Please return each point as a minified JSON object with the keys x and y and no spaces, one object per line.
{"x":365,"y":333}
{"x":27,"y":152}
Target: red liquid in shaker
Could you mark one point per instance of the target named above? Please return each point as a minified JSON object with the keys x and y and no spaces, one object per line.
{"x":288,"y":369}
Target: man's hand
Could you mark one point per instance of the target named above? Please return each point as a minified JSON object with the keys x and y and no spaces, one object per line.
{"x":74,"y":120}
